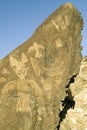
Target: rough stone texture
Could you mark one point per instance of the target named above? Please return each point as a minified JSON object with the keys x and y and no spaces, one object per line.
{"x":76,"y":119}
{"x":34,"y":76}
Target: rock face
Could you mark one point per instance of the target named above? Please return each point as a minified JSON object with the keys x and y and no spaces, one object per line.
{"x":76,"y":119}
{"x":34,"y":77}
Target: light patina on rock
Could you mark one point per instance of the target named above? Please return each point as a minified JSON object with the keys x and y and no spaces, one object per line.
{"x":76,"y":119}
{"x":33,"y":77}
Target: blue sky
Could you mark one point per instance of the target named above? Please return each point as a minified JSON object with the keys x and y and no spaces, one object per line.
{"x":20,"y":18}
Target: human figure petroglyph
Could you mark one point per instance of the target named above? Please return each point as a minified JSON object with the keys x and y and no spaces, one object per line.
{"x":43,"y":87}
{"x":47,"y":72}
{"x":23,"y":86}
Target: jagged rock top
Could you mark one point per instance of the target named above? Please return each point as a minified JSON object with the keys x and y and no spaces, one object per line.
{"x":33,"y":77}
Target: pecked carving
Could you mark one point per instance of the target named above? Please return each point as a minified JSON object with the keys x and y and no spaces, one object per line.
{"x":59,"y":43}
{"x":19,"y":67}
{"x":37,"y":48}
{"x":55,"y":25}
{"x":35,"y":65}
{"x":39,"y":71}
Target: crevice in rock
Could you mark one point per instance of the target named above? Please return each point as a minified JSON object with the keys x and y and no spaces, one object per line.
{"x":71,"y":80}
{"x":67,"y":103}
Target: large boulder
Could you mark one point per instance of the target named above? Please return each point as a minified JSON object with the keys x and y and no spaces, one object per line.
{"x":76,"y":119}
{"x":33,"y":78}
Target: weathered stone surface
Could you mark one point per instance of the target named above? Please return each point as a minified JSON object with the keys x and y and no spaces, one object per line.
{"x":76,"y":119}
{"x":34,"y":76}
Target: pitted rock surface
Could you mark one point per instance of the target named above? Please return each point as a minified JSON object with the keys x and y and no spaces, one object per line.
{"x":76,"y":119}
{"x":33,"y":77}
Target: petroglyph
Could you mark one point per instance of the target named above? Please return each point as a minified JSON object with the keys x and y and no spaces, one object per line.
{"x":63,"y":23}
{"x":24,"y":58}
{"x":55,"y":71}
{"x":39,"y":72}
{"x":23,"y":103}
{"x":37,"y":48}
{"x":36,"y":66}
{"x":22,"y":85}
{"x":59,"y":43}
{"x":55,"y":25}
{"x":19,"y":67}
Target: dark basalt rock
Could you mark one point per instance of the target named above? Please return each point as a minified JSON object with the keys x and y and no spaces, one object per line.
{"x":33,"y":77}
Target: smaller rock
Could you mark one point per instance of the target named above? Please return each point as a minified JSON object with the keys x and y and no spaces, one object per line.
{"x":76,"y":119}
